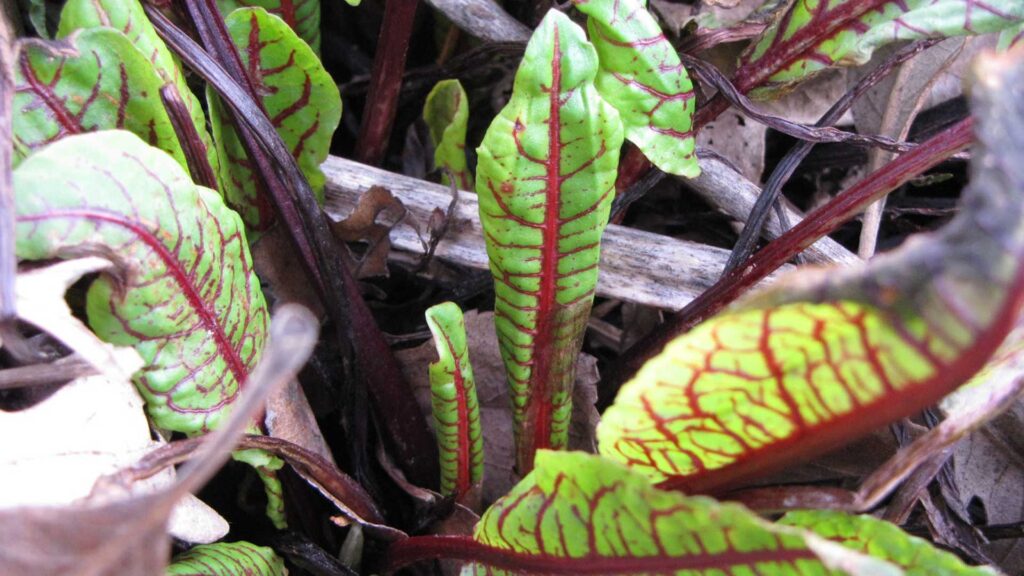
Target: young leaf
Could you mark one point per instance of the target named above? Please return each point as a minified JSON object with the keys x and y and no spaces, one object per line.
{"x":883,"y":540}
{"x":227,"y":559}
{"x":816,"y":34}
{"x":453,"y":396}
{"x":446,"y":114}
{"x":545,"y":180}
{"x":299,"y":96}
{"x":577,"y":513}
{"x":808,"y":366}
{"x":641,"y":76}
{"x":95,"y":80}
{"x":129,"y":17}
{"x":303,"y":16}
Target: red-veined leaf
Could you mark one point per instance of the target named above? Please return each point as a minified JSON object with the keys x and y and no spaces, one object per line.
{"x":129,"y":17}
{"x":453,"y":399}
{"x":883,"y":540}
{"x":641,"y":76}
{"x":807,"y":366}
{"x":227,"y":559}
{"x":545,"y":179}
{"x":300,"y":99}
{"x":303,"y":16}
{"x":813,"y":35}
{"x":94,"y":80}
{"x":188,"y":299}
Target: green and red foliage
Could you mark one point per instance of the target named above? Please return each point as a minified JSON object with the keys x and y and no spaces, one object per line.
{"x":453,"y":399}
{"x":296,"y":93}
{"x":806,"y":366}
{"x":801,"y":367}
{"x":545,"y":179}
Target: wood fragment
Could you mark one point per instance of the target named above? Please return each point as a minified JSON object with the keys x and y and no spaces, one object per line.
{"x":636,"y":266}
{"x":484,"y":19}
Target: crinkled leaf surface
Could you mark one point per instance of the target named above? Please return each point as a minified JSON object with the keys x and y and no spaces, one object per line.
{"x":642,"y":77}
{"x":883,"y":540}
{"x":303,"y":16}
{"x":815,"y":34}
{"x":809,"y":365}
{"x":188,"y":302}
{"x":227,"y":559}
{"x":129,"y":17}
{"x":299,"y":96}
{"x":577,"y":513}
{"x":454,"y":402}
{"x":94,"y":80}
{"x":446,"y":113}
{"x":545,"y":179}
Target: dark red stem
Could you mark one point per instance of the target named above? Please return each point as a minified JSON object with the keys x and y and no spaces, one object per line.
{"x":386,"y":81}
{"x":195,"y":150}
{"x":812,"y":228}
{"x":464,"y":548}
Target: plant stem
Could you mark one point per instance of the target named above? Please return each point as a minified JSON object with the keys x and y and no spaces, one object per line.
{"x":386,"y":81}
{"x":195,"y":150}
{"x":816,"y":225}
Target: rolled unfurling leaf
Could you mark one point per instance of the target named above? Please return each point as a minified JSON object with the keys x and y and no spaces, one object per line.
{"x":94,"y":80}
{"x":545,"y":179}
{"x":453,"y":397}
{"x":446,"y":113}
{"x":187,"y":298}
{"x":128,"y":17}
{"x":303,"y":16}
{"x":810,"y":365}
{"x":882,"y":540}
{"x":227,"y":559}
{"x":642,"y":77}
{"x":813,"y":35}
{"x":300,"y":99}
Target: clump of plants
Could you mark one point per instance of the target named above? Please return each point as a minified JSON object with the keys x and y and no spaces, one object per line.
{"x":181,"y":217}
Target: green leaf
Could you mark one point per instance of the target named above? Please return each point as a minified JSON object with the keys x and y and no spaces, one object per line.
{"x":827,"y":357}
{"x":95,"y":80}
{"x":302,"y":16}
{"x":446,"y":113}
{"x":300,"y":99}
{"x":453,"y":398}
{"x":813,"y":35}
{"x":642,"y":77}
{"x":883,"y":540}
{"x":227,"y":559}
{"x":1010,"y":37}
{"x":187,"y":298}
{"x":129,"y":17}
{"x":579,"y":513}
{"x":546,"y":178}
{"x":188,"y":301}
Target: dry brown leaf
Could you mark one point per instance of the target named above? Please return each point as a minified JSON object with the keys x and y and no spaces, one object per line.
{"x":370,"y":223}
{"x":739,"y":140}
{"x":495,"y":406}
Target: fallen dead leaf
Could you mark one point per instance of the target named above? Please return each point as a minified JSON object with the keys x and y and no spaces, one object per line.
{"x":370,"y":223}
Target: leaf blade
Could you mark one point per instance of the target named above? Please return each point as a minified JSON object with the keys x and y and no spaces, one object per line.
{"x":299,"y":97}
{"x":454,"y":401}
{"x":95,"y":80}
{"x":642,"y":77}
{"x":446,"y":113}
{"x":902,"y":332}
{"x":227,"y":559}
{"x":812,"y":36}
{"x":545,"y":179}
{"x":191,"y":304}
